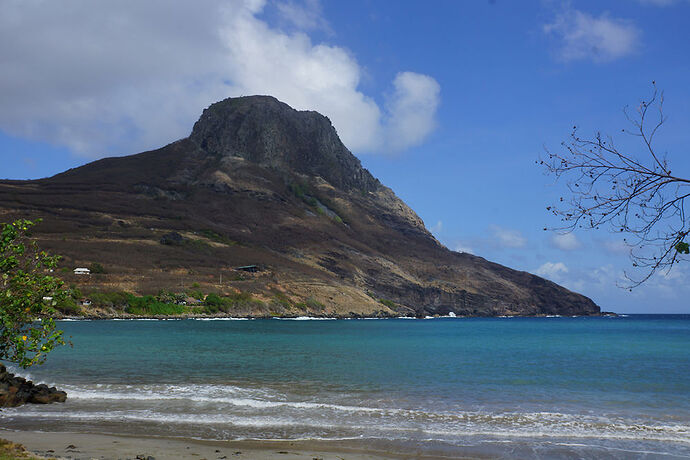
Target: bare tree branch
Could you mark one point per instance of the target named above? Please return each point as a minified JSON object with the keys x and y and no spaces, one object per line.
{"x":635,"y":196}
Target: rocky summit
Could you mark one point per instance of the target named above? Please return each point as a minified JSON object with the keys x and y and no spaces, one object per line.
{"x":264,"y":203}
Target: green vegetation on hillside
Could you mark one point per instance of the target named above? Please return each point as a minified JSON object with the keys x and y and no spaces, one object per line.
{"x":165,"y":303}
{"x":211,"y":235}
{"x":388,"y":303}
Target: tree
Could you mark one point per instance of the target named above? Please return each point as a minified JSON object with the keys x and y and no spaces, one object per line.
{"x":28,"y":295}
{"x":636,"y":195}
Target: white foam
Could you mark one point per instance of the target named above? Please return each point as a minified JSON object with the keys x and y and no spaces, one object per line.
{"x":378,"y":427}
{"x":306,"y":318}
{"x":221,"y":319}
{"x":212,"y":395}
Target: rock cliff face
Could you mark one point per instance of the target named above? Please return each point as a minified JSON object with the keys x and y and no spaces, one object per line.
{"x":269,"y":133}
{"x":259,"y":183}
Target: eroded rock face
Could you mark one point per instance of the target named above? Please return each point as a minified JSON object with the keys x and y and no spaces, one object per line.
{"x":268,"y":132}
{"x":15,"y":391}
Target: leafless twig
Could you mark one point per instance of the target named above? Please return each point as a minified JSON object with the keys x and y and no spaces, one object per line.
{"x":636,"y":196}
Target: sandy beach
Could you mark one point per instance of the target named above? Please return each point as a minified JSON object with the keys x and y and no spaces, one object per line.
{"x":63,"y":445}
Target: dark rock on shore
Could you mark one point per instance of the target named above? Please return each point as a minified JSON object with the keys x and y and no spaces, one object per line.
{"x":15,"y":391}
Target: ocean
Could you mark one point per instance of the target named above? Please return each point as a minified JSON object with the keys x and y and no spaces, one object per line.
{"x":604,"y":387}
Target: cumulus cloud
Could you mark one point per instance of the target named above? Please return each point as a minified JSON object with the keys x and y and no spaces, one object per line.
{"x":507,"y":238}
{"x":551,"y":270}
{"x":584,"y":36}
{"x":412,"y":108}
{"x":108,"y":78}
{"x":565,"y":242}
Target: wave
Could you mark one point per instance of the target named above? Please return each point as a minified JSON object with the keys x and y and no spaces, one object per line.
{"x":504,"y":426}
{"x":247,"y":407}
{"x":209,"y":394}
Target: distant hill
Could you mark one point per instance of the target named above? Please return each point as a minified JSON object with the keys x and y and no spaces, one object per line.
{"x":258,"y":183}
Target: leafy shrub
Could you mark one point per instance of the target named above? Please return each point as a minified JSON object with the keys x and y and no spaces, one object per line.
{"x":213,"y":300}
{"x":68,"y":306}
{"x":314,"y":304}
{"x":110,"y":299}
{"x":388,"y":303}
{"x":148,"y":307}
{"x":170,"y":297}
{"x":211,"y":309}
{"x":75,"y":292}
{"x":97,"y":268}
{"x":311,"y":304}
{"x":195,"y":293}
{"x":281,"y":299}
{"x":299,"y":190}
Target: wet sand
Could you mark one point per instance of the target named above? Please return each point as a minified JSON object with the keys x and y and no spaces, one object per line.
{"x":103,"y":446}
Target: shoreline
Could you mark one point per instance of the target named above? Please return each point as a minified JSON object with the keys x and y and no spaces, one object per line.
{"x":62,"y":445}
{"x":127,"y":316}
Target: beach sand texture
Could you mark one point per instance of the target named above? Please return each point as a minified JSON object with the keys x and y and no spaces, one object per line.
{"x":81,"y":446}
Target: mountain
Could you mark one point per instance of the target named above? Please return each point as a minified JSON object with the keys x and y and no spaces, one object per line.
{"x":258,"y":183}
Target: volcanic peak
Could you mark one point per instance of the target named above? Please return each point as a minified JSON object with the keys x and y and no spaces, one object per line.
{"x":270,"y":133}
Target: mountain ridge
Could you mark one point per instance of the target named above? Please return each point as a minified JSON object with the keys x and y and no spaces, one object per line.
{"x":274,"y":187}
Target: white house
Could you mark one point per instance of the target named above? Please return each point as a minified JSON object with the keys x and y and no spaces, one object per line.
{"x":82,"y":271}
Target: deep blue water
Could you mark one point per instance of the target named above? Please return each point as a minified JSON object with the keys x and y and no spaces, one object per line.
{"x":596,"y":387}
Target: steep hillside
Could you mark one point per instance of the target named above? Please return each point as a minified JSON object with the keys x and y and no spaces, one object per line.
{"x":258,"y":183}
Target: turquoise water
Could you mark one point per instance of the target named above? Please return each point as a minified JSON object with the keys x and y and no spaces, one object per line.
{"x":511,"y":387}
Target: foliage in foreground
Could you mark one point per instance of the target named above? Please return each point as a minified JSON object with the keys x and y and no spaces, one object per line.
{"x":12,"y":451}
{"x":28,"y":295}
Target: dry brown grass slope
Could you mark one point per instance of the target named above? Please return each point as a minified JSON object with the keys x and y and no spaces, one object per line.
{"x":260,"y":183}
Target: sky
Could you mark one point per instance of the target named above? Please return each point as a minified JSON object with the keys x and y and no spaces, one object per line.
{"x":449,"y":103}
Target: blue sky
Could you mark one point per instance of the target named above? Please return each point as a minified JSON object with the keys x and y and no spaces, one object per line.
{"x":448,"y":102}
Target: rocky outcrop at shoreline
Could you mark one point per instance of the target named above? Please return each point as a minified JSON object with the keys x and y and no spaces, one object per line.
{"x":15,"y":391}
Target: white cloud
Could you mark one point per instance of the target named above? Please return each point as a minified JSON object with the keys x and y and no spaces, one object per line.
{"x":584,"y":36}
{"x":307,"y":15}
{"x":109,"y":78}
{"x":437,"y":227}
{"x":412,"y":108}
{"x":566,"y":241}
{"x":616,"y":247}
{"x":551,"y":270}
{"x":507,"y":238}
